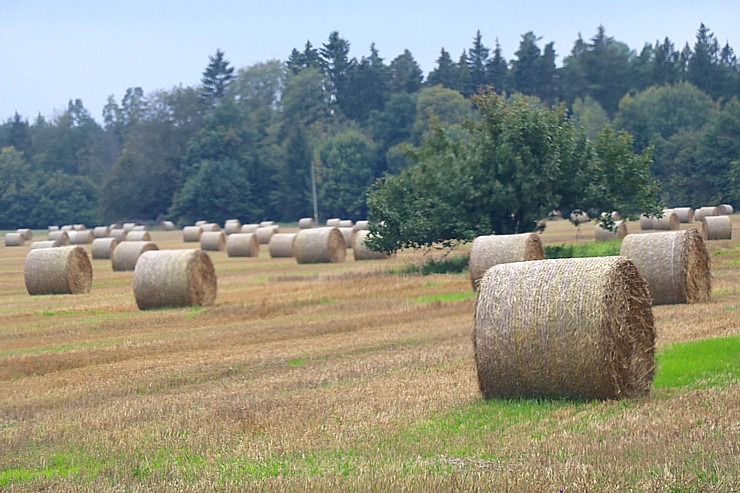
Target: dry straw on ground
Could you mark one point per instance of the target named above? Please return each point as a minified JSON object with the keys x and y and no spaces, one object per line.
{"x":138,"y":235}
{"x":44,"y":244}
{"x":716,"y":228}
{"x":14,"y":239}
{"x":360,"y":249}
{"x":685,"y":214}
{"x":669,"y":222}
{"x":675,"y":265}
{"x":491,"y":250}
{"x":126,"y":254}
{"x":264,"y":233}
{"x":213,"y":241}
{"x":703,"y":212}
{"x":63,"y":270}
{"x":102,"y":248}
{"x":60,"y":236}
{"x":602,"y":234}
{"x":101,"y":231}
{"x":306,"y":223}
{"x":646,"y":222}
{"x":249,"y":228}
{"x":242,"y":245}
{"x":174,"y":278}
{"x":191,"y":234}
{"x":320,"y":245}
{"x":281,"y":245}
{"x":725,"y":209}
{"x":578,"y":328}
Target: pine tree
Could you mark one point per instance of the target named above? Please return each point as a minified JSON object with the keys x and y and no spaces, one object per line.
{"x":216,"y":79}
{"x":498,"y":70}
{"x":445,"y":73}
{"x":477,"y":64}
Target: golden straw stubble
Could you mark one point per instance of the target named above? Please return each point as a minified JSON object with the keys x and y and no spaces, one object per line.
{"x":61,"y":270}
{"x":576,"y":328}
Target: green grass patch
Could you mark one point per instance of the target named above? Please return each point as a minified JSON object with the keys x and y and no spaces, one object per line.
{"x":446,"y":297}
{"x":699,"y":364}
{"x":59,"y":465}
{"x":453,"y":264}
{"x":582,"y":250}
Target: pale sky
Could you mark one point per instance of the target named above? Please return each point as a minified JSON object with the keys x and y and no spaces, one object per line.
{"x":53,"y":51}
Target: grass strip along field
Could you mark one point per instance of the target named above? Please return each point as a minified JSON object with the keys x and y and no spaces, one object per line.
{"x":340,"y":376}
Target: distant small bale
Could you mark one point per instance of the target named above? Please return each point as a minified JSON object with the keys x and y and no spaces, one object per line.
{"x":126,"y":254}
{"x":67,"y":227}
{"x":669,"y":222}
{"x":14,"y":239}
{"x":232,"y":226}
{"x":725,"y":209}
{"x":716,"y":228}
{"x":703,"y":212}
{"x":27,"y":233}
{"x":266,"y":223}
{"x":675,"y":265}
{"x":646,"y":222}
{"x":264,"y":233}
{"x":213,"y":241}
{"x":174,"y":278}
{"x":118,"y":233}
{"x":602,"y":234}
{"x":128,"y":226}
{"x":167,"y":226}
{"x":281,"y":245}
{"x":320,"y":245}
{"x":138,"y":235}
{"x":360,"y":249}
{"x":249,"y":228}
{"x":102,"y":248}
{"x":616,"y":216}
{"x":306,"y":223}
{"x":44,"y":244}
{"x":191,"y":234}
{"x":60,"y":236}
{"x":364,"y":224}
{"x":101,"y":231}
{"x":490,"y":250}
{"x":242,"y":245}
{"x":79,"y":227}
{"x":347,"y":233}
{"x":62,"y":270}
{"x":333,"y":222}
{"x":201,"y":222}
{"x":346,"y":223}
{"x":53,"y":228}
{"x":685,"y":214}
{"x":574,"y":328}
{"x":579,"y":217}
{"x":210,"y":227}
{"x":81,"y":237}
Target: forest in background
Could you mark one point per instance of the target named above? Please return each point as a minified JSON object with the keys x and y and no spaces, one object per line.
{"x":243,"y":143}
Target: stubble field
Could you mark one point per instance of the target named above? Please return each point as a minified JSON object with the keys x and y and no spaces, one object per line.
{"x":344,"y":377}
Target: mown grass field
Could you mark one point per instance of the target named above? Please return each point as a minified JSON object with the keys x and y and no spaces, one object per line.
{"x":340,"y":377}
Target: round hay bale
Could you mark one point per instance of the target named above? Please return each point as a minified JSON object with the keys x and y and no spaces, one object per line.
{"x":139,"y":227}
{"x":101,"y":231}
{"x":44,"y":244}
{"x":601,"y":234}
{"x":167,"y":226}
{"x":577,"y":328}
{"x":79,"y":227}
{"x":213,"y":241}
{"x":578,"y":217}
{"x":264,"y":233}
{"x":53,"y":228}
{"x":63,"y":270}
{"x":118,"y":233}
{"x":138,"y":235}
{"x":669,"y":222}
{"x":703,"y":212}
{"x":174,"y":278}
{"x":685,"y":214}
{"x":346,"y":223}
{"x":646,"y":222}
{"x":266,"y":223}
{"x":67,"y":227}
{"x":347,"y":233}
{"x":725,"y":209}
{"x":360,"y":225}
{"x":281,"y":245}
{"x":191,"y":234}
{"x":102,"y":248}
{"x":126,"y":254}
{"x":232,"y":226}
{"x":716,"y":228}
{"x":675,"y":265}
{"x":361,"y":250}
{"x":14,"y":239}
{"x":306,"y":223}
{"x":249,"y":228}
{"x":333,"y":222}
{"x":61,"y":236}
{"x":491,"y":250}
{"x":27,"y":233}
{"x":128,"y":226}
{"x":80,"y":237}
{"x":201,"y":222}
{"x":242,"y":245}
{"x":319,"y":245}
{"x":210,"y":227}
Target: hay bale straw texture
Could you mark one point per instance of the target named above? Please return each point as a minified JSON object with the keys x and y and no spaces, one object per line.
{"x":725,"y":209}
{"x":577,"y":328}
{"x":27,"y":233}
{"x":138,"y":235}
{"x":60,"y":236}
{"x":669,"y":222}
{"x":118,"y":233}
{"x":174,"y":278}
{"x":63,"y":270}
{"x":44,"y":244}
{"x":346,"y":223}
{"x":306,"y":223}
{"x":14,"y":239}
{"x":128,"y":226}
{"x":685,"y":214}
{"x":167,"y":226}
{"x":716,"y":228}
{"x":102,"y":248}
{"x":319,"y":245}
{"x":213,"y":241}
{"x":361,"y":225}
{"x":101,"y":231}
{"x":191,"y":234}
{"x":361,"y":250}
{"x":675,"y":265}
{"x":266,"y":223}
{"x":646,"y":222}
{"x":80,"y":237}
{"x":333,"y":222}
{"x":601,"y":234}
{"x":491,"y":250}
{"x":264,"y":233}
{"x":232,"y":226}
{"x":250,"y":228}
{"x":242,"y":245}
{"x":281,"y":245}
{"x":347,"y":233}
{"x":210,"y":227}
{"x":703,"y":212}
{"x":126,"y":254}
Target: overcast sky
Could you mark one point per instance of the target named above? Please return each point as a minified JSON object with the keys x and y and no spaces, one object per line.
{"x":53,"y":51}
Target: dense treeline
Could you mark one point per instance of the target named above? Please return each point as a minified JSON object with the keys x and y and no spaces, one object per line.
{"x":245,"y":142}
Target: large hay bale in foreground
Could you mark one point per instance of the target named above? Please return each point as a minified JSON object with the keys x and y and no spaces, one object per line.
{"x":580,"y":327}
{"x":174,"y":278}
{"x":281,"y":245}
{"x":102,"y":248}
{"x":126,"y":254}
{"x":319,"y":245}
{"x":264,"y":233}
{"x":138,"y":235}
{"x":603,"y":234}
{"x":685,"y":214}
{"x":669,"y":222}
{"x":716,"y":228}
{"x":80,"y":237}
{"x":703,"y":212}
{"x":14,"y":239}
{"x":63,"y":270}
{"x":675,"y":265}
{"x":44,"y":244}
{"x":361,"y":250}
{"x":306,"y":223}
{"x":60,"y":236}
{"x":191,"y":234}
{"x":646,"y":222}
{"x":242,"y":245}
{"x":725,"y":209}
{"x":491,"y":250}
{"x":213,"y":241}
{"x":232,"y":226}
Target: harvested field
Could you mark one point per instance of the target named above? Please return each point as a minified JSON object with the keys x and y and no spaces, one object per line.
{"x":339,"y":376}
